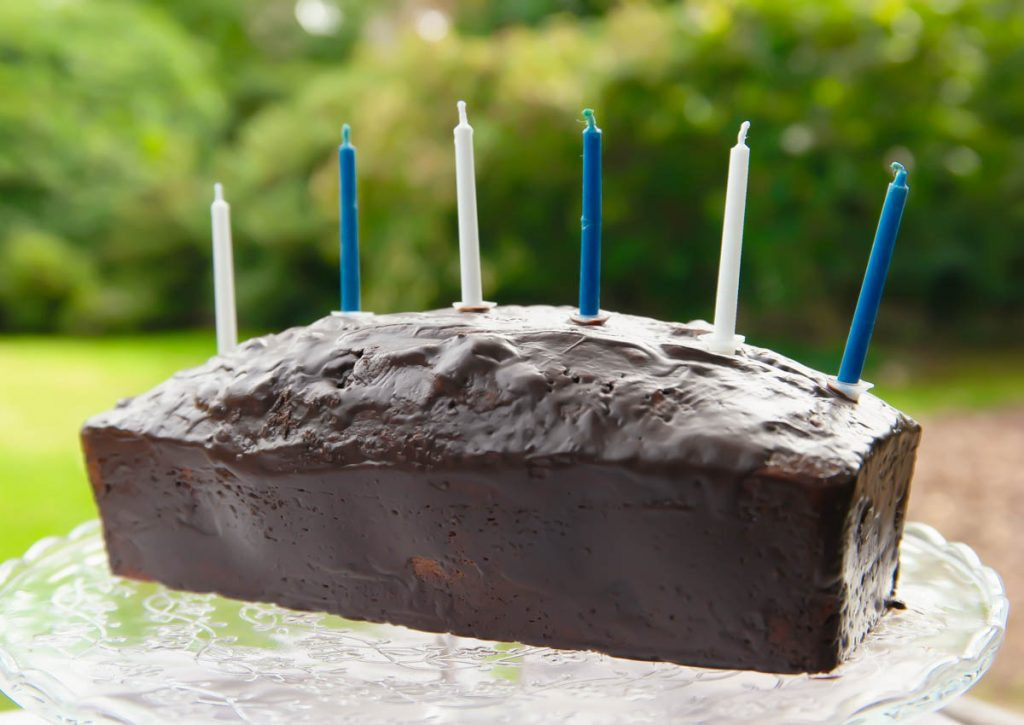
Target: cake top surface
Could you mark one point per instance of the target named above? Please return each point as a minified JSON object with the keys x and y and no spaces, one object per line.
{"x":446,"y":388}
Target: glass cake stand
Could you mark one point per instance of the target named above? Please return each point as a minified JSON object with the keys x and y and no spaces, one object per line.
{"x":78,"y":644}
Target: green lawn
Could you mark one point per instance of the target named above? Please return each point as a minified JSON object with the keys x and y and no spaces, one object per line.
{"x":48,"y":386}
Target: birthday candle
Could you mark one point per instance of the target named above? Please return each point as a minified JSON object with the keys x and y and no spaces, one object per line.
{"x":590,"y":222}
{"x":223,"y":272}
{"x":469,"y":232}
{"x":848,"y":381}
{"x":348,"y":224}
{"x":724,"y":338}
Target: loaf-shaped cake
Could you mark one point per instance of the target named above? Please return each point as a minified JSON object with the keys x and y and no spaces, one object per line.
{"x":511,"y":475}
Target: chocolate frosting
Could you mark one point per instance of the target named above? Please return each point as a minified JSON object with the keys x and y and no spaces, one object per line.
{"x":512,"y":475}
{"x":455,"y":388}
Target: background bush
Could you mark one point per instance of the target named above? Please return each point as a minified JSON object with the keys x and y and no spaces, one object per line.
{"x":118,"y":116}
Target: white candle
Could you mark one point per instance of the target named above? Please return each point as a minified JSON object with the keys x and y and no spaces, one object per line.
{"x":223,"y":272}
{"x":724,"y":338}
{"x":469,"y":234}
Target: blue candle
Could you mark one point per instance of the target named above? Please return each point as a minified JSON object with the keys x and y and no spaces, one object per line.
{"x":349,"y":223}
{"x":590,"y":223}
{"x":874,"y":279}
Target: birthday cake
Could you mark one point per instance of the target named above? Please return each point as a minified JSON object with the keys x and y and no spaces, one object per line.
{"x":515,"y":476}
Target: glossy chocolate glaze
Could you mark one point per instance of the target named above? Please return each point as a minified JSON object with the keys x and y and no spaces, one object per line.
{"x":512,"y":475}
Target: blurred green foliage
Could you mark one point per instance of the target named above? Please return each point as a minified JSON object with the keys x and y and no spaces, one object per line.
{"x":117,"y":116}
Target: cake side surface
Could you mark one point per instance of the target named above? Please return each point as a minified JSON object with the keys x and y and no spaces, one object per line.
{"x":709,"y":570}
{"x":514,"y":476}
{"x":871,"y":536}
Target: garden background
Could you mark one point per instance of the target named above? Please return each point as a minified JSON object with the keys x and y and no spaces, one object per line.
{"x":117,"y":116}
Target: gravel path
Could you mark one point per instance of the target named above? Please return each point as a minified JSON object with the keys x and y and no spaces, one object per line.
{"x":969,"y":484}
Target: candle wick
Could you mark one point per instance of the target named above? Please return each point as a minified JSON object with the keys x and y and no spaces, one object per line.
{"x":462,"y":112}
{"x":900,"y":172}
{"x":346,"y":132}
{"x":741,"y":137}
{"x":218,"y":192}
{"x":588,"y":113}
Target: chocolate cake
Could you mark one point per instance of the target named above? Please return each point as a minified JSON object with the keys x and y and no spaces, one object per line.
{"x":515,"y":476}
